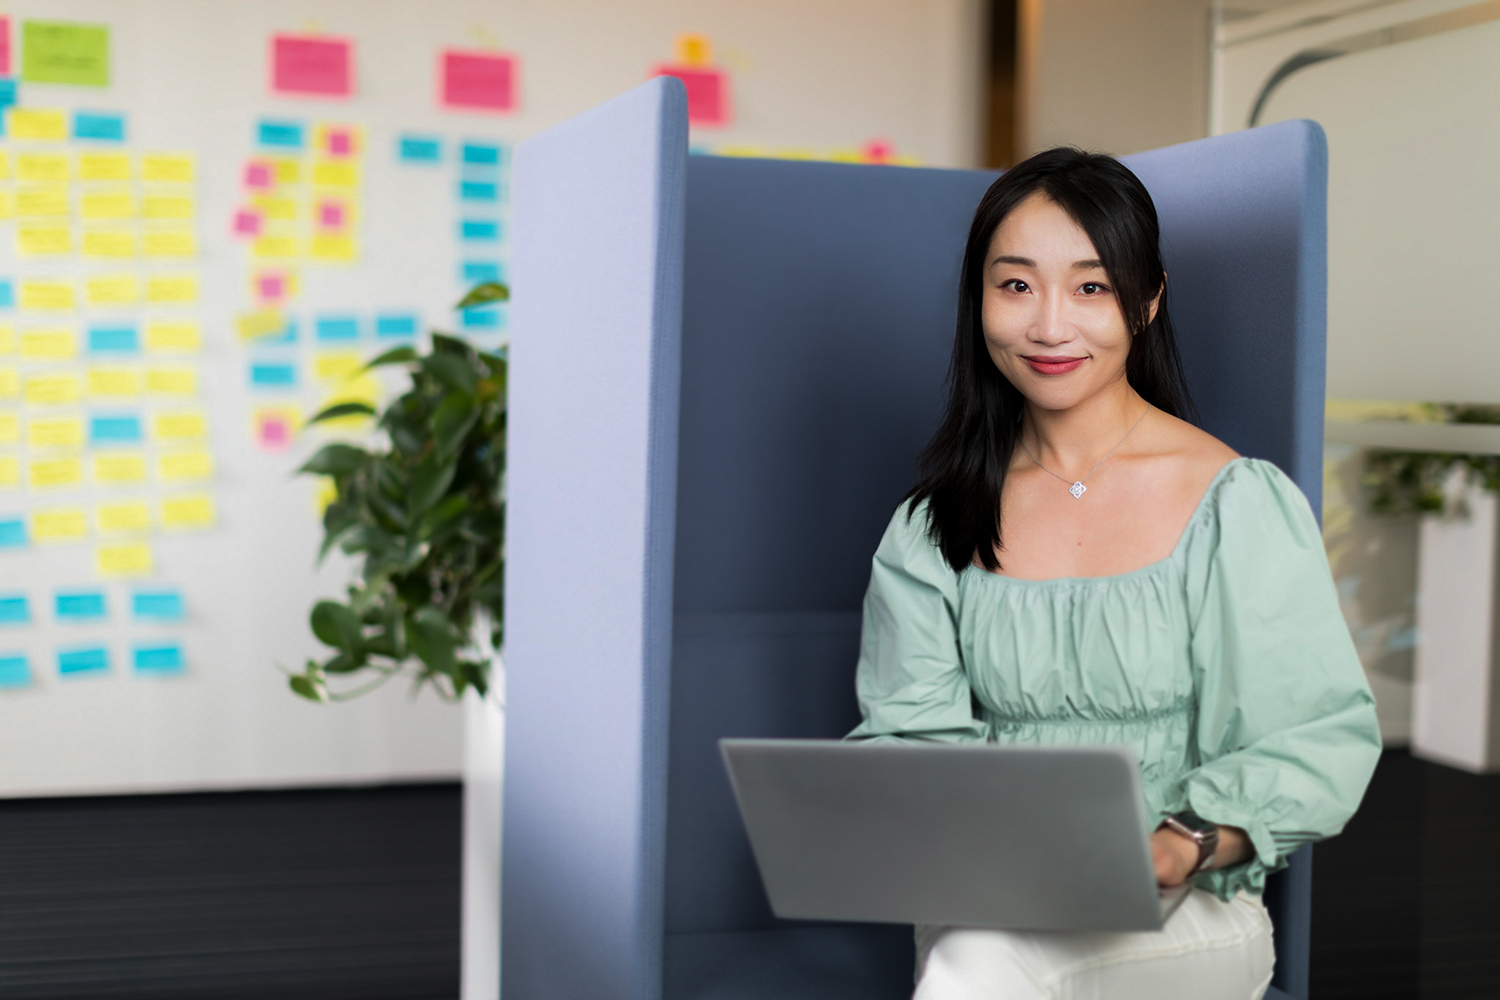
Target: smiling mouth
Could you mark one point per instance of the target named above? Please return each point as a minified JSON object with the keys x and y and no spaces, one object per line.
{"x":1050,"y":365}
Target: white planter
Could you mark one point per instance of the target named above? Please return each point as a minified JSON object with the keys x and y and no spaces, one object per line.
{"x":1454,"y":712}
{"x":484,"y":752}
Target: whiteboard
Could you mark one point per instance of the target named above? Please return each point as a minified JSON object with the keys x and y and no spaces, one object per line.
{"x":229,"y":536}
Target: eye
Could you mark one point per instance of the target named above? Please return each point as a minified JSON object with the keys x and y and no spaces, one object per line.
{"x":1016,"y":285}
{"x":1093,"y":288}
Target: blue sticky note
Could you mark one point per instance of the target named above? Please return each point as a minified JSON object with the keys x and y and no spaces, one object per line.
{"x":395,"y":325}
{"x":288,"y":335}
{"x":158,"y":658}
{"x":265,"y":373}
{"x":114,"y":339}
{"x":15,"y":671}
{"x":279,"y":134}
{"x":480,"y":270}
{"x":157,"y":605}
{"x":478,"y":229}
{"x":482,"y":154}
{"x":93,"y":125}
{"x":114,"y":429}
{"x":12,"y":532}
{"x":482,"y":319}
{"x":14,"y":610}
{"x":336,"y":328}
{"x":80,"y":605}
{"x":7,"y":294}
{"x":478,"y":191}
{"x":7,"y":95}
{"x":82,"y":660}
{"x":419,"y":149}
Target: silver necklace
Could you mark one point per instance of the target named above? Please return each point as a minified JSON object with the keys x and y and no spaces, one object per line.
{"x":1078,"y":489}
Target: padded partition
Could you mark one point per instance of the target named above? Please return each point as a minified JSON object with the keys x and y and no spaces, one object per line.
{"x":592,"y":456}
{"x":817,"y":318}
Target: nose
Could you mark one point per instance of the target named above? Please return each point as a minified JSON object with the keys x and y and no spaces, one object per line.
{"x":1052,"y":326}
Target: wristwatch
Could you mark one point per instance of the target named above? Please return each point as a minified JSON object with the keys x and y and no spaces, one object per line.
{"x":1204,"y":833}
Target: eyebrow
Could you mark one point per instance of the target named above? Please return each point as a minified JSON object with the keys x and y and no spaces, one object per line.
{"x":1078,"y":265}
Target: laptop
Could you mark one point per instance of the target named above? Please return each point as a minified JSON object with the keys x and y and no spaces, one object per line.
{"x":1012,"y":837}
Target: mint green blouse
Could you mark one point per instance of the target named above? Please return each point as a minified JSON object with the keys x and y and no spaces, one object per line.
{"x":1226,"y":666}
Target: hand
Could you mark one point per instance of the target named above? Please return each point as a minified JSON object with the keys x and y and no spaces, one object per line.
{"x":1173,"y":856}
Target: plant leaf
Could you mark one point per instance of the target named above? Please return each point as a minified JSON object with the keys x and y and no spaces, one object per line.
{"x":395,"y":356}
{"x":483,"y":294}
{"x":336,"y":625}
{"x":429,"y":633}
{"x":433,"y":476}
{"x":455,"y":415}
{"x":453,"y":371}
{"x":336,"y":459}
{"x":343,"y":410}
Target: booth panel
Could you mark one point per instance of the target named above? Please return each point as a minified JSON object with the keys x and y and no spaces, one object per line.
{"x":592,"y":453}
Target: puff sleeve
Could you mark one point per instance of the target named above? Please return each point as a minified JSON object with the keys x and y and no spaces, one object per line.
{"x":911,"y":681}
{"x":1285,"y":735}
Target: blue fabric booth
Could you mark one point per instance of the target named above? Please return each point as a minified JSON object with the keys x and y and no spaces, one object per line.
{"x":721,"y":373}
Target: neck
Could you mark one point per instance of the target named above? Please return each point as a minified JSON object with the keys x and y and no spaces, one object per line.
{"x":1071,"y":442}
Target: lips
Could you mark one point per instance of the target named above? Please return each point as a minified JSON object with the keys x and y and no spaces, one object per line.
{"x":1052,"y":364}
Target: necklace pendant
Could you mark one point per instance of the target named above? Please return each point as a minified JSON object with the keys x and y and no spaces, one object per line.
{"x":1077,"y":489}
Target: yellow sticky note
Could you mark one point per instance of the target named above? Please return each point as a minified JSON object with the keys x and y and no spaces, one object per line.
{"x":42,"y":167}
{"x":324,"y":493}
{"x":109,"y":243}
{"x":42,"y":201}
{"x":10,"y":383}
{"x":10,"y":428}
{"x":104,"y":166}
{"x":108,"y":203}
{"x":338,"y":366}
{"x":167,"y":206}
{"x":274,"y":248}
{"x":332,"y":247}
{"x":172,"y":381}
{"x":43,"y":241}
{"x":51,"y":473}
{"x":169,"y":243}
{"x":363,"y":389}
{"x":175,"y":289}
{"x":168,"y":168}
{"x":334,"y":173}
{"x":7,"y":339}
{"x":112,"y":289}
{"x":10,"y":471}
{"x":127,"y":517}
{"x":133,"y":559}
{"x":275,"y":208}
{"x":7,"y":204}
{"x":64,"y":524}
{"x":54,"y":432}
{"x":118,"y":467}
{"x":49,"y":345}
{"x":288,"y":170}
{"x":53,"y":389}
{"x":183,"y":466}
{"x":46,"y":294}
{"x":114,"y":382}
{"x":189,"y":426}
{"x":261,"y":323}
{"x":36,"y":123}
{"x":193,"y":510}
{"x":178,"y":336}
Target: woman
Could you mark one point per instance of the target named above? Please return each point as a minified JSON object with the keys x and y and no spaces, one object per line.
{"x":1081,"y":565}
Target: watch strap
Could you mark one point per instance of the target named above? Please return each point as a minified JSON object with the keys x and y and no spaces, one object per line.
{"x":1202,"y":832}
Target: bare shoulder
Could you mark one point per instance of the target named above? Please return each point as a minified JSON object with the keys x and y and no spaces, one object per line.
{"x":1193,"y":456}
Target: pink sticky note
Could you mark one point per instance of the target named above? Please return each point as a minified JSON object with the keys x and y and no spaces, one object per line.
{"x":320,"y":66}
{"x":340,"y":142}
{"x":707,"y":93}
{"x":878,"y":151}
{"x":271,"y":287}
{"x":260,"y":176}
{"x":483,"y":80}
{"x":272,"y":432}
{"x":247,"y":222}
{"x":4,"y":46}
{"x":331,"y":214}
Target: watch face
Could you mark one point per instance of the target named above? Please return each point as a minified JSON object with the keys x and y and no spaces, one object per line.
{"x":1194,"y":822}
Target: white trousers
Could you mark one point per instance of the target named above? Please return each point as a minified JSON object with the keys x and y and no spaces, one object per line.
{"x":1208,"y":950}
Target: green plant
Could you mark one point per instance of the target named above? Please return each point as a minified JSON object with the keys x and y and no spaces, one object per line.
{"x":424,"y":512}
{"x":1412,"y":482}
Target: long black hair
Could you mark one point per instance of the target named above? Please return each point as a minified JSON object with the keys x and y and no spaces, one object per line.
{"x":963,"y":467}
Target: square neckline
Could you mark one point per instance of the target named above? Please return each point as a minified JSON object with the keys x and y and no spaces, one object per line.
{"x":1150,"y":567}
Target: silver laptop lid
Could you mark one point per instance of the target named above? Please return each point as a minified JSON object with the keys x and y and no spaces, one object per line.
{"x":1034,"y":838}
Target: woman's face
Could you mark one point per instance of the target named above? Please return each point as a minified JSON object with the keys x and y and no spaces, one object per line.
{"x":1051,"y":321}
